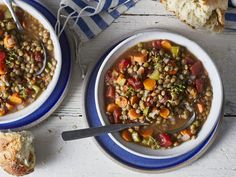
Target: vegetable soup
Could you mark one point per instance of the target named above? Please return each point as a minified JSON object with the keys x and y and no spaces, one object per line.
{"x":21,"y":57}
{"x":161,"y":83}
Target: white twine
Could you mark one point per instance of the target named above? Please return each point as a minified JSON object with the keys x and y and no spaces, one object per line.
{"x":81,"y":13}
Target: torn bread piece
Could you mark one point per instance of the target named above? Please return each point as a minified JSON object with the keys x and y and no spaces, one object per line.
{"x":209,"y":14}
{"x":17,"y":156}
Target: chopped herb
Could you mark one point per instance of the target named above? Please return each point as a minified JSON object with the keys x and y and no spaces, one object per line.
{"x":178,"y":88}
{"x":130,"y":91}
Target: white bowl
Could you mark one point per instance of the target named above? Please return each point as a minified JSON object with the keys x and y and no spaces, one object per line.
{"x":57,"y":54}
{"x":217,"y":101}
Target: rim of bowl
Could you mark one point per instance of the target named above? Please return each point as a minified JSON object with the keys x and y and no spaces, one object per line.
{"x":11,"y":117}
{"x":216,"y":107}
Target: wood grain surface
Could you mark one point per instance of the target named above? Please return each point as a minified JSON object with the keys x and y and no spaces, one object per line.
{"x":83,"y":158}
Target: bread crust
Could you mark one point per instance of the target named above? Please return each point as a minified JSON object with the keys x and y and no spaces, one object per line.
{"x":221,"y":4}
{"x":12,"y":145}
{"x":208,"y":14}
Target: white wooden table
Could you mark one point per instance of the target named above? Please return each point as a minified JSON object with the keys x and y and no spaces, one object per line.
{"x":83,"y":158}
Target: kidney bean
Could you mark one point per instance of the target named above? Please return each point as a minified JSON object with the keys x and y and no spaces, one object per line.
{"x":111,"y":119}
{"x":189,"y":60}
{"x":150,"y":101}
{"x":135,"y":83}
{"x":2,"y":56}
{"x":165,"y":98}
{"x":38,"y":57}
{"x":199,"y":85}
{"x":164,"y":140}
{"x":110,"y":92}
{"x":124,"y":64}
{"x":197,"y":68}
{"x":108,"y":77}
{"x":116,"y":115}
{"x":156,"y":44}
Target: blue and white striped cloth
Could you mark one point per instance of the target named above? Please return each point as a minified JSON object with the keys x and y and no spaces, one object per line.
{"x":90,"y":17}
{"x":230,"y":16}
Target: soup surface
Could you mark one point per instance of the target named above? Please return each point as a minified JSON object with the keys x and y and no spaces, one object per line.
{"x":160,"y":83}
{"x":21,"y":57}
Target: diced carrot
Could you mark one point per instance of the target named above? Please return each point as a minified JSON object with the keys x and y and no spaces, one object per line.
{"x":111,"y":107}
{"x":121,"y":102}
{"x":166,"y":44}
{"x":2,"y":69}
{"x":126,"y":135}
{"x":9,"y":106}
{"x":149,"y":84}
{"x":146,"y":132}
{"x":140,"y":57}
{"x":164,"y":112}
{"x":120,"y":76}
{"x":2,"y":88}
{"x":133,"y":100}
{"x":133,"y":114}
{"x":172,"y":72}
{"x":15,"y":99}
{"x":200,"y":107}
{"x":2,"y":112}
{"x":9,"y":41}
{"x":186,"y":132}
{"x":33,"y":81}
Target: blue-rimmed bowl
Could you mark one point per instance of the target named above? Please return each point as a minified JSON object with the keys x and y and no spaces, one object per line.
{"x":217,"y":101}
{"x":16,"y":116}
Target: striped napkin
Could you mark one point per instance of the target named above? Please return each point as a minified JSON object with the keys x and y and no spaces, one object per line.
{"x":90,"y":17}
{"x":230,"y":16}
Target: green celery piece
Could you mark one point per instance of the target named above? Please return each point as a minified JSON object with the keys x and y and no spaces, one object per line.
{"x":145,"y":111}
{"x":135,"y":137}
{"x":155,"y":75}
{"x":36,"y":89}
{"x":175,"y":51}
{"x":7,"y":14}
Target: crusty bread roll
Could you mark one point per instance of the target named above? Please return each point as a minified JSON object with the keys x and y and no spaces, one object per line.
{"x":17,"y":155}
{"x":199,"y":13}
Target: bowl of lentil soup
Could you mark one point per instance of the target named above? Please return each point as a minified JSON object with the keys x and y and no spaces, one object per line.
{"x":159,"y":78}
{"x":21,"y":57}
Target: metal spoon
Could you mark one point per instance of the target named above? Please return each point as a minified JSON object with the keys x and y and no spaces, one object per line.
{"x":8,"y":3}
{"x":96,"y":131}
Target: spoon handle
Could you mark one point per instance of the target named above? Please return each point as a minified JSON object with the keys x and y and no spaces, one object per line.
{"x":88,"y":132}
{"x":8,"y":3}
